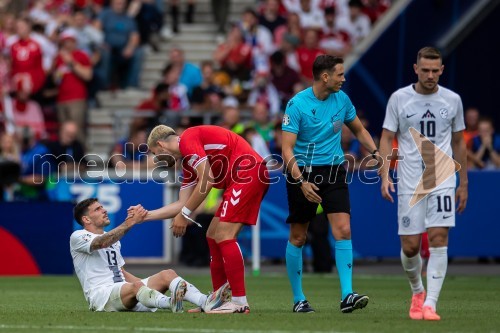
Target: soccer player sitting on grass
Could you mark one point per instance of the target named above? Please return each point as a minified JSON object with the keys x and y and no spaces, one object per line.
{"x":107,"y":286}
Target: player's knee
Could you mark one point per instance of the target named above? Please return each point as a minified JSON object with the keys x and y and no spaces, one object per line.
{"x":137,"y":285}
{"x":411,"y":251}
{"x":298,"y":239}
{"x":168,"y":274}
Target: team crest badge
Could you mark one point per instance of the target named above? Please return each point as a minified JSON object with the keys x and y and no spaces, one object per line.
{"x":406,"y":221}
{"x":443,"y":113}
{"x":86,"y":237}
{"x":286,"y":120}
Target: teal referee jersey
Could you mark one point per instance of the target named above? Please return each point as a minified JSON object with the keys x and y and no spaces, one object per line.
{"x":318,"y":125}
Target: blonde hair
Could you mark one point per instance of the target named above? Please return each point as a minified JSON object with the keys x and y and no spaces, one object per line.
{"x":159,"y":133}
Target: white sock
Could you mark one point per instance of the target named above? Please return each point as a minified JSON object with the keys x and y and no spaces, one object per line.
{"x":152,"y":298}
{"x":193,"y":295}
{"x":413,"y":269}
{"x":173,"y":283}
{"x":240,"y":300}
{"x":436,"y":272}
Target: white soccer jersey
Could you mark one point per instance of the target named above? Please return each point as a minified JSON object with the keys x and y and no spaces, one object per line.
{"x":436,"y":116}
{"x":96,"y":270}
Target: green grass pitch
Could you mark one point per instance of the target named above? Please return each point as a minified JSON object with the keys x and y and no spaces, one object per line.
{"x":56,"y":304}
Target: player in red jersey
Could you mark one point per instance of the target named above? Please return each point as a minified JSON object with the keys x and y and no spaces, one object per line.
{"x":215,"y":157}
{"x":26,"y":57}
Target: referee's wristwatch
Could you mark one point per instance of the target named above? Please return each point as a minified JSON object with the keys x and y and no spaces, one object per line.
{"x":300,"y":181}
{"x":373,"y":153}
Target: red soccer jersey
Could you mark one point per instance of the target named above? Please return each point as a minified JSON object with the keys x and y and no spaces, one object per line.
{"x":26,"y":58}
{"x":71,"y":88}
{"x":226,"y":152}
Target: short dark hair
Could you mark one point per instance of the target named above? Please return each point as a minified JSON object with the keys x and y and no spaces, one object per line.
{"x":324,"y":63}
{"x":82,"y":208}
{"x":429,"y":52}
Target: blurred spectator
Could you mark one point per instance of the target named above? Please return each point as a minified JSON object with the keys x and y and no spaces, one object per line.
{"x":190,"y":74}
{"x":7,"y":28}
{"x":234,"y":55}
{"x":123,"y":56}
{"x":231,"y":115}
{"x":311,"y":17}
{"x":26,"y":56}
{"x":375,"y":8}
{"x":275,"y":145}
{"x":307,"y":53}
{"x":359,"y":21}
{"x":72,"y":71}
{"x":91,"y":41}
{"x":257,"y":142}
{"x":10,"y":165}
{"x":20,"y":111}
{"x":158,"y":104}
{"x":178,"y":98}
{"x":292,"y":28}
{"x":486,"y":145}
{"x":256,"y":35}
{"x":68,"y":151}
{"x":149,"y":21}
{"x":131,"y":153}
{"x":220,"y":10}
{"x":285,"y":79}
{"x":265,"y":92}
{"x":175,"y":12}
{"x":35,"y":168}
{"x":289,"y":47}
{"x":261,"y":122}
{"x":208,"y":95}
{"x":471,"y":125}
{"x":271,"y":17}
{"x":336,"y":38}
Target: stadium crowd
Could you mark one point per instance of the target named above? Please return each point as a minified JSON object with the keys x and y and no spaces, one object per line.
{"x":57,"y":54}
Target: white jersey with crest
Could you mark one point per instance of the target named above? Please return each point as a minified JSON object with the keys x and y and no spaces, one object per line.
{"x":97,"y":270}
{"x":436,"y":116}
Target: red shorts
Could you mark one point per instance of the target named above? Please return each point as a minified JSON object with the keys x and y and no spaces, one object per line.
{"x":241,"y":200}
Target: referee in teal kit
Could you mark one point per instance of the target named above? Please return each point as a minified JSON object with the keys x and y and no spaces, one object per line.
{"x":313,"y":157}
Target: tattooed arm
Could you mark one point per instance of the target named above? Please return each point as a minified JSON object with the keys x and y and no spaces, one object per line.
{"x":117,"y":233}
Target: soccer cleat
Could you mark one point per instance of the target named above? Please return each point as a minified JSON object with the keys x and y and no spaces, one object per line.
{"x":302,"y":306}
{"x":230,"y":307}
{"x":353,"y":301}
{"x":177,"y":296}
{"x":218,"y":298}
{"x":430,"y":314}
{"x":417,"y":302}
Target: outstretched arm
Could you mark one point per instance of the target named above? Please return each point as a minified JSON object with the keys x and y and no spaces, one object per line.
{"x":171,"y":210}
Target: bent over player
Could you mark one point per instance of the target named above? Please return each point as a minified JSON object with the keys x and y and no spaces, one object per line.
{"x":215,"y":157}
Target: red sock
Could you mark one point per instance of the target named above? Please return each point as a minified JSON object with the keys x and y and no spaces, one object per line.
{"x":216,"y":265}
{"x":234,"y":266}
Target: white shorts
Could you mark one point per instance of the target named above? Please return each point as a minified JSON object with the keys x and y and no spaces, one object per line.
{"x":113,"y":303}
{"x":435,"y":210}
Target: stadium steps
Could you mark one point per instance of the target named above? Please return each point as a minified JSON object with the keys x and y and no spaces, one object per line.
{"x":110,"y":121}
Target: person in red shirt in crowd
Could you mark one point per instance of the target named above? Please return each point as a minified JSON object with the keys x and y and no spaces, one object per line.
{"x":26,"y":56}
{"x":336,"y":38}
{"x":19,"y":111}
{"x":375,"y":8}
{"x":234,"y":55}
{"x":215,"y":157}
{"x":307,"y":53}
{"x":72,"y":70}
